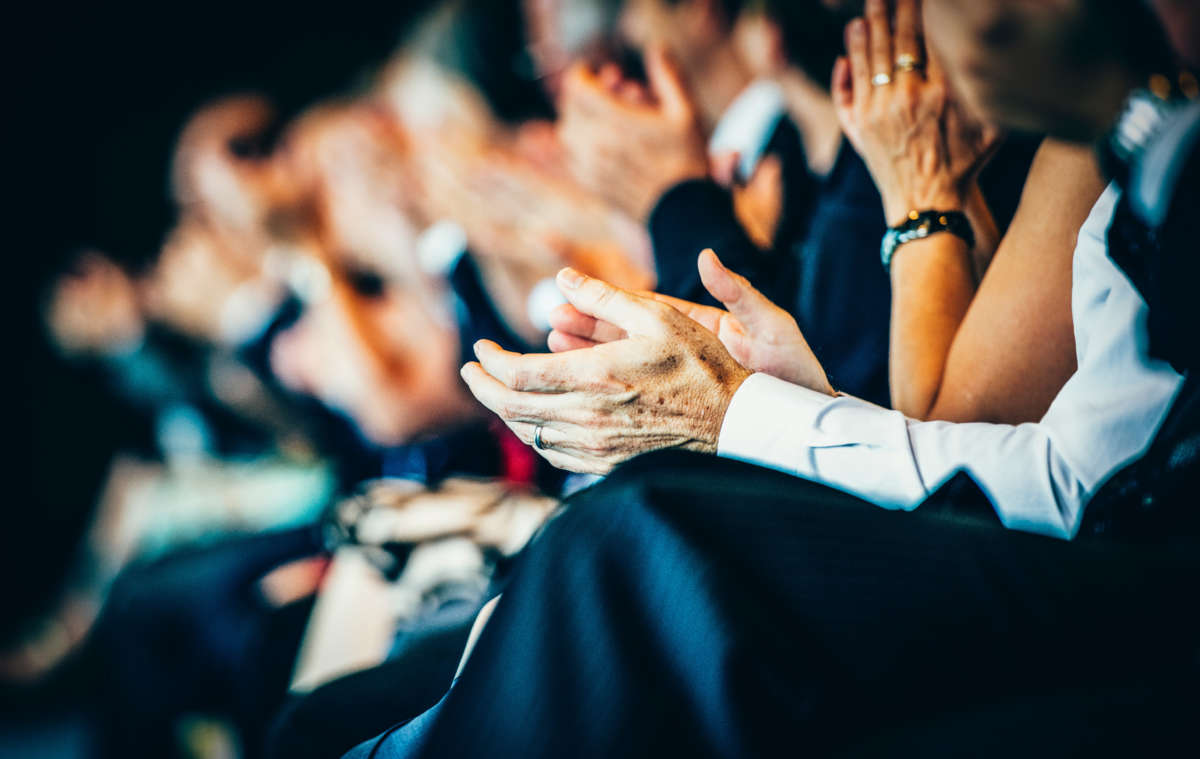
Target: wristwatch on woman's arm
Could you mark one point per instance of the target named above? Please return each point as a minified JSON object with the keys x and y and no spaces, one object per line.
{"x":922,"y":224}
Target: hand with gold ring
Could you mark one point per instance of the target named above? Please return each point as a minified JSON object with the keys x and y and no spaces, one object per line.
{"x":906,"y":63}
{"x":922,"y":150}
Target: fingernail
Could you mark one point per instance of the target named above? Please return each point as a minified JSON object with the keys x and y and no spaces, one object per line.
{"x":478,"y":344}
{"x":570,"y":279}
{"x":858,"y":27}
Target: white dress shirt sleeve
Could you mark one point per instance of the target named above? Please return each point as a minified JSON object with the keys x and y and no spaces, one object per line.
{"x":1038,"y":476}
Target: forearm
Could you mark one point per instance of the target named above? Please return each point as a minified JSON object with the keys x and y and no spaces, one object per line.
{"x":1016,"y":346}
{"x":983,"y":224}
{"x":933,"y":283}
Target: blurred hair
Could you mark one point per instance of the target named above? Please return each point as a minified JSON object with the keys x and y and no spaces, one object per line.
{"x":812,"y":33}
{"x":731,"y":9}
{"x":484,"y":42}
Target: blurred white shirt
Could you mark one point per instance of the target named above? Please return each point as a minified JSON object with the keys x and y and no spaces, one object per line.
{"x":1039,"y":476}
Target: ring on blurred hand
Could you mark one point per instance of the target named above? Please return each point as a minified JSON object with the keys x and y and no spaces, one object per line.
{"x":881,"y":79}
{"x":537,"y":438}
{"x":906,"y":62}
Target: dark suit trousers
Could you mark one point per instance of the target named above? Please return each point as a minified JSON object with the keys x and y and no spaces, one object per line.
{"x":694,"y":606}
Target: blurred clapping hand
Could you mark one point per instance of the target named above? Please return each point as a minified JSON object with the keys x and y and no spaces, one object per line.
{"x":627,"y":142}
{"x":924,"y":150}
{"x":95,"y":308}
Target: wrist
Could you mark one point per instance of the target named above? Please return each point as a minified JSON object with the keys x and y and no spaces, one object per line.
{"x":709,"y":435}
{"x":923,"y":224}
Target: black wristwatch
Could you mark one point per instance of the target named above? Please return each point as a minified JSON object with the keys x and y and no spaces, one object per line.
{"x":922,"y":224}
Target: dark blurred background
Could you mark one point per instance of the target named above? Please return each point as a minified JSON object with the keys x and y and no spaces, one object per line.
{"x":102,"y":91}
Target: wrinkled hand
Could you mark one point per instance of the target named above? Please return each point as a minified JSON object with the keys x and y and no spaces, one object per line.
{"x":758,"y":334}
{"x":666,"y":384}
{"x":923,"y":150}
{"x":628,"y":144}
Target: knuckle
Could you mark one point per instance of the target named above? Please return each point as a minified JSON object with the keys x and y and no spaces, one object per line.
{"x":513,"y":376}
{"x":603,"y":294}
{"x":661,"y":311}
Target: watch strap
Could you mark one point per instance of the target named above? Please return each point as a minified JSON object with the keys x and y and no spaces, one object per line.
{"x":922,"y":224}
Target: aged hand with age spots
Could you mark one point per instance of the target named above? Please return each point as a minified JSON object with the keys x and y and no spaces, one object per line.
{"x":759,"y":335}
{"x":666,"y":383}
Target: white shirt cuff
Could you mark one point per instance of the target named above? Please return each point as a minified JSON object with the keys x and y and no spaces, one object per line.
{"x":841,"y":441}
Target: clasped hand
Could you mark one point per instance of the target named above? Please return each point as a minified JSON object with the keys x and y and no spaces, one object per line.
{"x":639,"y":372}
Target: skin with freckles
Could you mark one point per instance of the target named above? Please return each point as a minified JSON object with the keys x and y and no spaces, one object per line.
{"x":758,"y":334}
{"x":665,"y":384}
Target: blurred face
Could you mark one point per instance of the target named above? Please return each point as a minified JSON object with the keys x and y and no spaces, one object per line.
{"x":350,"y":158}
{"x":221,"y":171}
{"x":373,"y":342}
{"x":374,"y":352}
{"x":1044,"y":66}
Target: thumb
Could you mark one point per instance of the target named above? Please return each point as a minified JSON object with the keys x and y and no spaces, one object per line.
{"x":751,"y":308}
{"x":667,"y":83}
{"x":594,"y":297}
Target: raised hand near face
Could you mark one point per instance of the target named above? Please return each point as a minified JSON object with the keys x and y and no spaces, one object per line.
{"x":922,"y":148}
{"x":628,"y":143}
{"x":666,"y":383}
{"x":758,"y":334}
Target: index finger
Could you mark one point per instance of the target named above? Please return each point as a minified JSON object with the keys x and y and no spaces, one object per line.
{"x":531,"y":372}
{"x":880,"y":37}
{"x":635,"y":314}
{"x":570,"y":321}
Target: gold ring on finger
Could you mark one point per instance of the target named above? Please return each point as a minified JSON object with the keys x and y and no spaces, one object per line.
{"x":881,"y":79}
{"x":906,"y":63}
